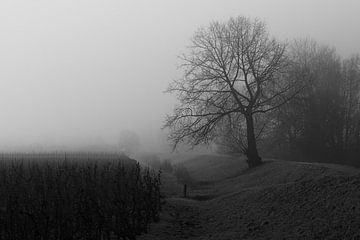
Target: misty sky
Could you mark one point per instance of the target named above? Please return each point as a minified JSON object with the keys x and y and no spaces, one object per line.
{"x":76,"y":72}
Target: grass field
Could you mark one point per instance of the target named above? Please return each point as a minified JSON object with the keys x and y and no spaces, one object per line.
{"x":277,"y":200}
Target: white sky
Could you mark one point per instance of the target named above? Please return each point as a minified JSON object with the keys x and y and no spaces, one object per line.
{"x":81,"y":71}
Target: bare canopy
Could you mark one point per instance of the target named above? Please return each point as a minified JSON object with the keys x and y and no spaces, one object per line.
{"x":231,"y":68}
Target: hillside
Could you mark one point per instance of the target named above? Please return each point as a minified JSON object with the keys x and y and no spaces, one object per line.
{"x":278,"y":200}
{"x":214,"y":168}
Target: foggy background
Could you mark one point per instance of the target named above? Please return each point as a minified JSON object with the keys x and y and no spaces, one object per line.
{"x":77,"y":73}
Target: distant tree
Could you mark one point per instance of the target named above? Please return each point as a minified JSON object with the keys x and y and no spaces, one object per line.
{"x":166,"y":166}
{"x":231,"y":68}
{"x":312,"y":122}
{"x":129,"y":142}
{"x":151,"y":159}
{"x":351,"y":92}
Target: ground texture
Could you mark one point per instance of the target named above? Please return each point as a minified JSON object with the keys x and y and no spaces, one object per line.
{"x":278,"y":200}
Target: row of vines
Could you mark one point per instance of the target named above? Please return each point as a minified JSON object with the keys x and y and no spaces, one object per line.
{"x":88,"y":199}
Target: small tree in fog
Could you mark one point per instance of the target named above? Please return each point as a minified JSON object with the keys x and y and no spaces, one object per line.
{"x":166,"y":166}
{"x":231,"y":68}
{"x":129,"y":142}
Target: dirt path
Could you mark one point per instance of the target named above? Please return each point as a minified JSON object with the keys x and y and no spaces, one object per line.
{"x":180,"y":220}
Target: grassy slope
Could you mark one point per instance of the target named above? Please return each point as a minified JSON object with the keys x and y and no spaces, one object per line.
{"x":286,"y":200}
{"x":278,"y":200}
{"x":213,"y":168}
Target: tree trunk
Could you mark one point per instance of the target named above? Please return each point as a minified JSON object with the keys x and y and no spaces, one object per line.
{"x":251,"y":152}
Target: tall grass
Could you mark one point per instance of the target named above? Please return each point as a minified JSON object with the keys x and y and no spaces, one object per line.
{"x":83,"y":199}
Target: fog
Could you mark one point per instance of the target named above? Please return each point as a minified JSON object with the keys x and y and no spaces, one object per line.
{"x":78,"y":73}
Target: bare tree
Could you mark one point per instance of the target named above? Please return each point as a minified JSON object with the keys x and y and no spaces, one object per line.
{"x":231,"y":133}
{"x":231,"y":67}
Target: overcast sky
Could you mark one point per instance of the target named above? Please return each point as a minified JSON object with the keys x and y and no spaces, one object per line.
{"x":81,"y":71}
